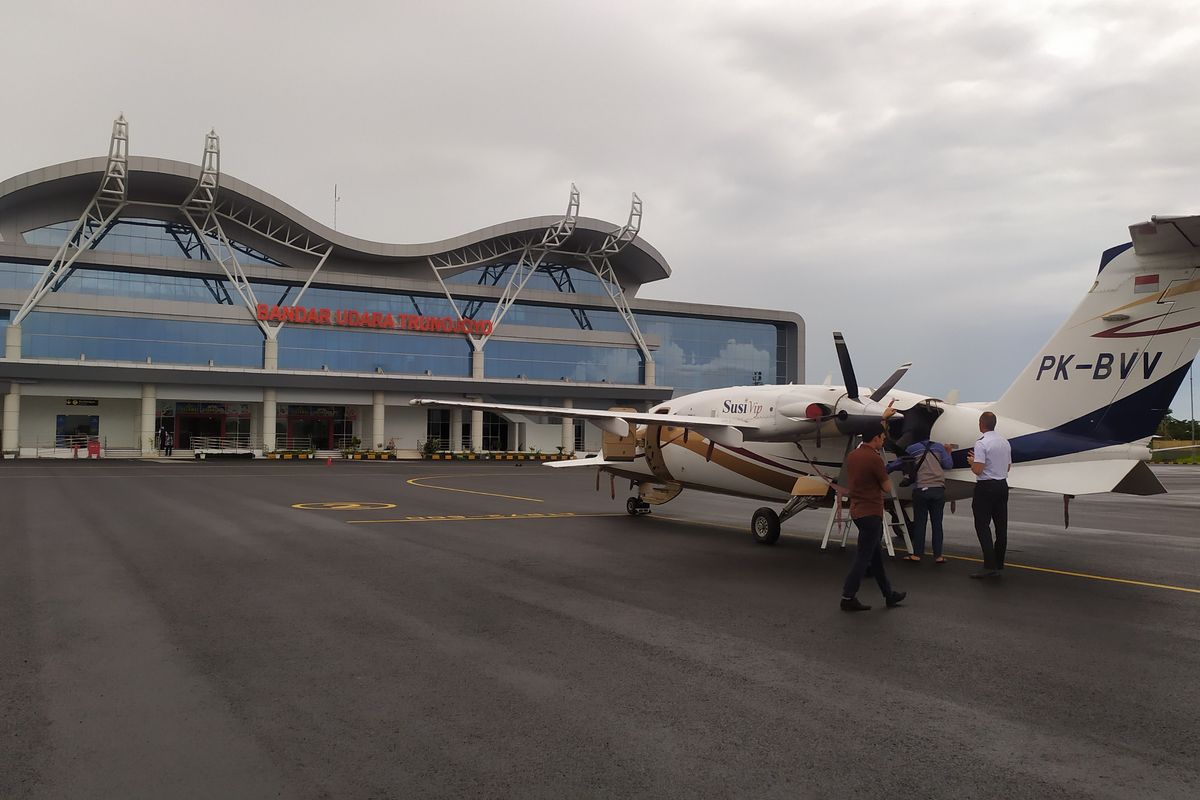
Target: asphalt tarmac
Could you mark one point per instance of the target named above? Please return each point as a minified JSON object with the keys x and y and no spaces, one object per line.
{"x":176,"y":630}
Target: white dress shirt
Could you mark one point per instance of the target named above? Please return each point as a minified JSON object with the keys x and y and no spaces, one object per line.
{"x":993,"y":451}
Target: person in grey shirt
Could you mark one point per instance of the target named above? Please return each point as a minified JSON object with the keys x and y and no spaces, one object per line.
{"x":990,"y":460}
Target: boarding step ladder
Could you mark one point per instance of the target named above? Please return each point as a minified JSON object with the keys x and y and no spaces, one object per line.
{"x":839,"y":517}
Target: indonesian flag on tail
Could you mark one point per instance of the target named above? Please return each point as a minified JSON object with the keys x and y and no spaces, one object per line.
{"x":1145,"y":283}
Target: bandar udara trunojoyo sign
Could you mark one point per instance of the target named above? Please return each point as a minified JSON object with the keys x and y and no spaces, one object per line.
{"x":343,"y":318}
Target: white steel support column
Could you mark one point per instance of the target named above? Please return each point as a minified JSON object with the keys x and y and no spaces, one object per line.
{"x":568,"y":428}
{"x":599,"y":261}
{"x":476,"y":430}
{"x":269,"y":416}
{"x":99,"y":213}
{"x":456,"y":430}
{"x":377,"y":414}
{"x":476,"y":363}
{"x":149,"y":408}
{"x":12,"y":418}
{"x":201,"y":203}
{"x":530,"y":259}
{"x":12,"y":342}
{"x":271,"y":354}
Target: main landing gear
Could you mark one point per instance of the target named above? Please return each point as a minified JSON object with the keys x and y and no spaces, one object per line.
{"x":635,"y":507}
{"x":765,"y":526}
{"x":765,"y":522}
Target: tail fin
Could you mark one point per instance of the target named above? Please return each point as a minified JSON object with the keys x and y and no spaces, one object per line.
{"x":1110,"y":372}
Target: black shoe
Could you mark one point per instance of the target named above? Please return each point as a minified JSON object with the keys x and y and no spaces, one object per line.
{"x":853,"y":604}
{"x":986,"y":573}
{"x":896,"y":598}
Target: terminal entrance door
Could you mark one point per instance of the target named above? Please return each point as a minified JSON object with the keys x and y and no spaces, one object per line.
{"x":318,"y":427}
{"x":188,"y":426}
{"x":215,"y":420}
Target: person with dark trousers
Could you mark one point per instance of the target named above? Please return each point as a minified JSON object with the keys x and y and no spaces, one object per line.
{"x":928,"y":461}
{"x":990,"y":460}
{"x":867,"y":481}
{"x":168,"y":441}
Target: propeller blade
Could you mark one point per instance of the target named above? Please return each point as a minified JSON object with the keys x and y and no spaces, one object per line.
{"x":843,"y":354}
{"x":882,"y":391}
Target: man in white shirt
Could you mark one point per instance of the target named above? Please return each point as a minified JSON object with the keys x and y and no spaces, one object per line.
{"x":990,"y":460}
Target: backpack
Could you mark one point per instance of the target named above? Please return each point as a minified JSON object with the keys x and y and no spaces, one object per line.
{"x":931,"y":473}
{"x":930,"y":469}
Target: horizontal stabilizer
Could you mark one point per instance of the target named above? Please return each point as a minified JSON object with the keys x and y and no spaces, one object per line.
{"x":1166,"y":235}
{"x":1126,"y":476}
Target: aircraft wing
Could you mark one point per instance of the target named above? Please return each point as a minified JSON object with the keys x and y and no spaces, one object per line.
{"x":586,"y":461}
{"x":726,"y":431}
{"x":1127,"y":476}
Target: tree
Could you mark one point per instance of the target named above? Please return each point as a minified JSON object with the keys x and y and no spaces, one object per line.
{"x":1171,"y":428}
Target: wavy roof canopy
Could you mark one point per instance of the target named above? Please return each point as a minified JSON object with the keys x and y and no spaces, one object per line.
{"x":70,"y":185}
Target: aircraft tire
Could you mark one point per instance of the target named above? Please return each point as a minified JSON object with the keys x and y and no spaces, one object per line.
{"x":765,"y":526}
{"x":633,"y":506}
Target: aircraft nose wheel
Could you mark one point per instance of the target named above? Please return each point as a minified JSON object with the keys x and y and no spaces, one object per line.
{"x":635,"y":507}
{"x":765,"y":526}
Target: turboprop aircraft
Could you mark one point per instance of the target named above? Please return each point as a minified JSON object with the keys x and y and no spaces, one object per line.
{"x":1079,"y":417}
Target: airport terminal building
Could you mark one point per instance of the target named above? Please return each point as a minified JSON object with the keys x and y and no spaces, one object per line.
{"x":140,"y":295}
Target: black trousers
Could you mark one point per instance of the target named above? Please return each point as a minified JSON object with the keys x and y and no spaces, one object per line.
{"x":990,"y":507}
{"x":870,"y":537}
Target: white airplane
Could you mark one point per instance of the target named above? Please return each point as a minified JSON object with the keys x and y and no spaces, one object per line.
{"x":1079,"y":418}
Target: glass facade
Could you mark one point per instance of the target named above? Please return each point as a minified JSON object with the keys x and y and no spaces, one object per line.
{"x":694,"y":353}
{"x":148,"y":237}
{"x":303,"y":347}
{"x":49,"y":334}
{"x":549,"y":278}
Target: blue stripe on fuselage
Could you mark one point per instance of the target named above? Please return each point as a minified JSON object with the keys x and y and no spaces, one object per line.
{"x":1127,"y":420}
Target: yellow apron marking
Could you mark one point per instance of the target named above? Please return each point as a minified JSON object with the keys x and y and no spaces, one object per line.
{"x":479,"y":517}
{"x":414,"y":482}
{"x":1068,"y":573}
{"x":1084,"y":575}
{"x":343,"y":505}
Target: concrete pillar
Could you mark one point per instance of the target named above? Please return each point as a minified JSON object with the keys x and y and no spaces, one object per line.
{"x":522,"y":437}
{"x":455,"y":430}
{"x":568,"y":428}
{"x":647,"y":373}
{"x":476,"y":430}
{"x":269,"y":415}
{"x":377,"y":409}
{"x":12,"y":342}
{"x":513,"y":436}
{"x":256,"y":425}
{"x":12,"y":418}
{"x":149,"y":409}
{"x":476,"y":415}
{"x":270,"y":354}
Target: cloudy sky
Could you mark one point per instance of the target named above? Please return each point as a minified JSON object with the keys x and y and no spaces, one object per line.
{"x":936,"y":179}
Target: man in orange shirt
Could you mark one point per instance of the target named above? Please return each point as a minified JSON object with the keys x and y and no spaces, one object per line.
{"x":867,"y":482}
